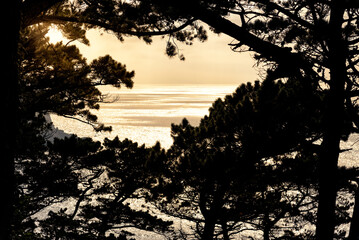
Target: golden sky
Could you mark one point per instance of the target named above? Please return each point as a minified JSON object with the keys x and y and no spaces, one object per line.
{"x":211,"y":62}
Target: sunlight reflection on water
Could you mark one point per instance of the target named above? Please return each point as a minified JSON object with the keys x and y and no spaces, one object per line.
{"x":144,"y":114}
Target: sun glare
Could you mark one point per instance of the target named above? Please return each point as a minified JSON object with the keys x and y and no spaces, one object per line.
{"x":55,"y":35}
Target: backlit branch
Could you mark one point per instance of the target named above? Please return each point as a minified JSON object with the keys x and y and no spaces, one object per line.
{"x":114,"y":28}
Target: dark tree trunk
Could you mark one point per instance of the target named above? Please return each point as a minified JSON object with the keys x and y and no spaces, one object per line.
{"x":354,"y":225}
{"x":210,"y":210}
{"x":333,"y":122}
{"x":266,"y":232}
{"x":267,"y":225}
{"x":209,"y":227}
{"x":225,"y":230}
{"x":327,"y":189}
{"x":8,"y":122}
{"x":209,"y":218}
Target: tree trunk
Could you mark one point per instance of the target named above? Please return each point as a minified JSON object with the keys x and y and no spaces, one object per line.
{"x":9,"y":101}
{"x":267,"y":225}
{"x":333,"y":122}
{"x":225,"y":230}
{"x":209,"y":226}
{"x":266,"y":232}
{"x":327,"y":187}
{"x":210,"y":210}
{"x":354,"y":225}
{"x":209,"y":219}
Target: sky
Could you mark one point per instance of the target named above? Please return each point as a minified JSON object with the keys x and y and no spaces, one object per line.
{"x":211,"y":62}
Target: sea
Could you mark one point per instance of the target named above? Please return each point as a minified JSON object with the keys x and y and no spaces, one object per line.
{"x":144,"y":114}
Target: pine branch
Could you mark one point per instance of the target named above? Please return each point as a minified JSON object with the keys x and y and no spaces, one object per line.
{"x":106,"y":26}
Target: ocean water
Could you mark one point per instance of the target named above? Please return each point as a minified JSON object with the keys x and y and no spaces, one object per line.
{"x":145,"y":113}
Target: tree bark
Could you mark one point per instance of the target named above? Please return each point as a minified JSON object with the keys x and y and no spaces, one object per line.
{"x":8,"y":122}
{"x":333,"y":122}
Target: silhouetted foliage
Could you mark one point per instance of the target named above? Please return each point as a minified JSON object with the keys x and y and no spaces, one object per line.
{"x":314,"y":41}
{"x":55,"y":78}
{"x":252,"y":160}
{"x":81,"y":189}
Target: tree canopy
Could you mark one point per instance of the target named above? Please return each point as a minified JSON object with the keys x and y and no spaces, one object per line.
{"x":314,"y":42}
{"x":81,"y":189}
{"x":239,"y":164}
{"x":56,"y":78}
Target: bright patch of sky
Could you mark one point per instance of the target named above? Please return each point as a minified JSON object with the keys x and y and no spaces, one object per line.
{"x":211,"y":62}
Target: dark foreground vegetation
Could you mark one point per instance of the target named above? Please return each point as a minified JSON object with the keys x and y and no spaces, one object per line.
{"x":265,"y":158}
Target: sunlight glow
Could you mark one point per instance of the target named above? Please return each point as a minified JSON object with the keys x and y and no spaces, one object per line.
{"x":55,"y":35}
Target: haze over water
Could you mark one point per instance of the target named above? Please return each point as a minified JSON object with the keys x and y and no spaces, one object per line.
{"x":144,"y":114}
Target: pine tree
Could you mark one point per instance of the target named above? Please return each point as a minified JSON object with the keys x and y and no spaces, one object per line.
{"x":92,"y":185}
{"x":73,"y":18}
{"x":55,"y":78}
{"x":314,"y":39}
{"x":239,"y":164}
